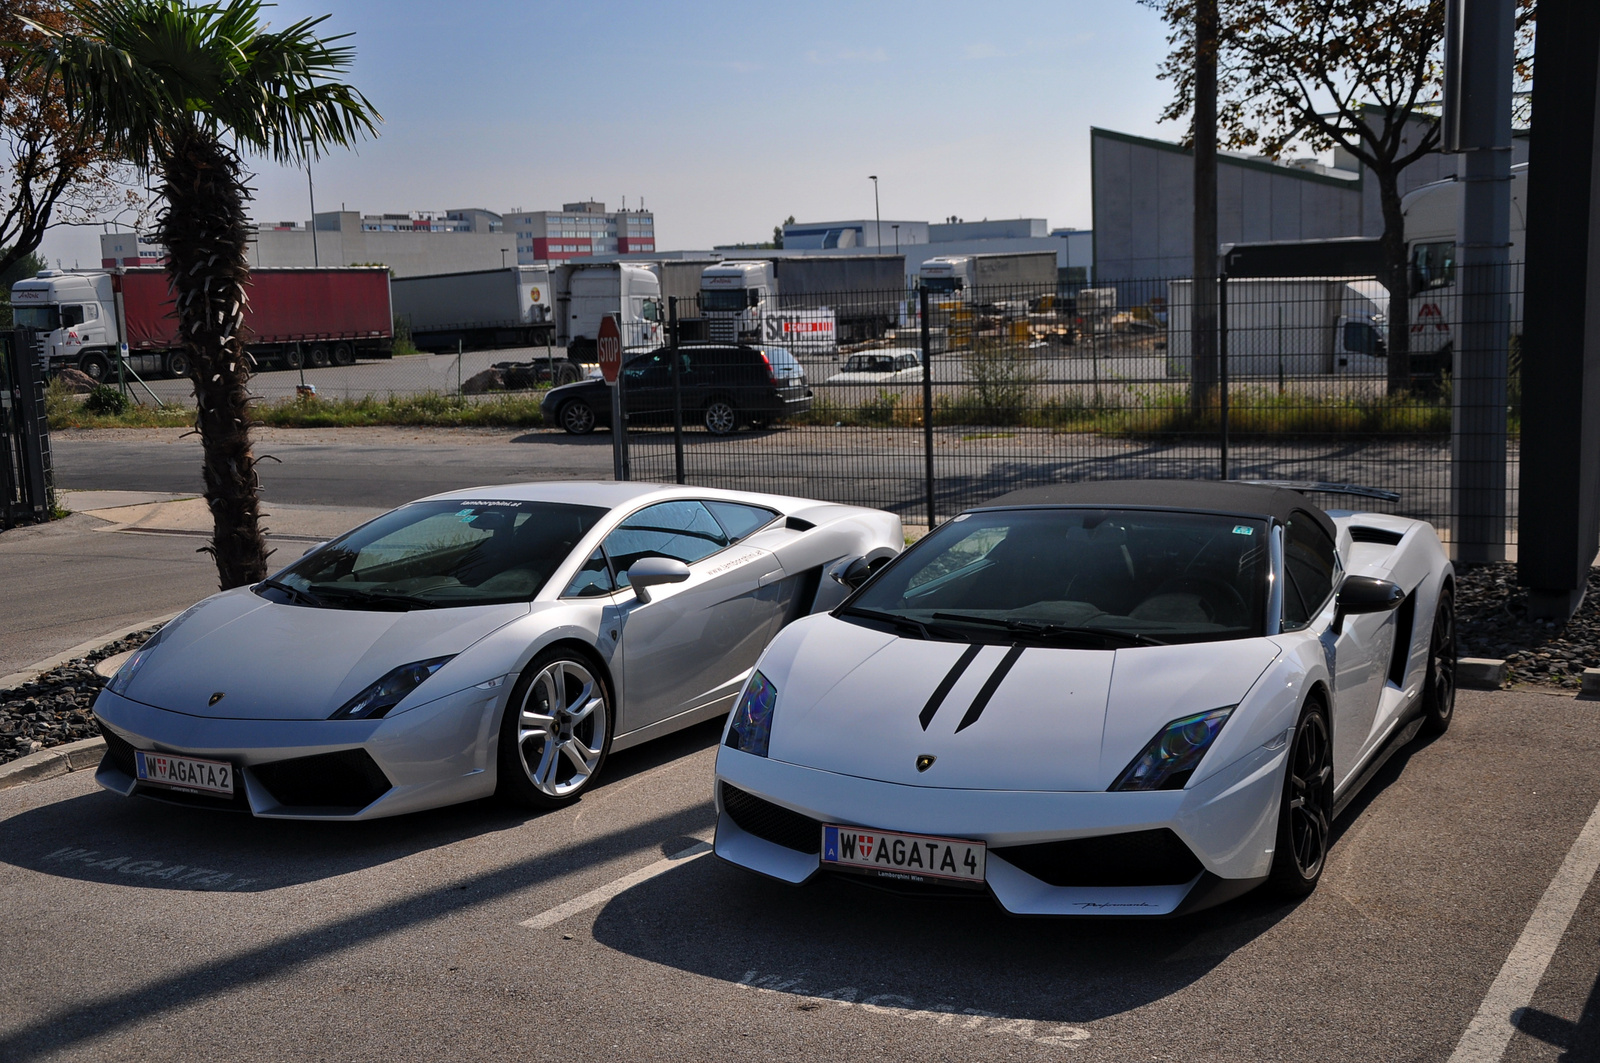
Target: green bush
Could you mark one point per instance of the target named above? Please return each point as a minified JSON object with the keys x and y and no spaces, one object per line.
{"x":106,"y":401}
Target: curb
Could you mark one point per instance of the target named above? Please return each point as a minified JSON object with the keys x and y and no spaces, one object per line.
{"x":1480,"y":673}
{"x":48,"y":763}
{"x":38,"y":668}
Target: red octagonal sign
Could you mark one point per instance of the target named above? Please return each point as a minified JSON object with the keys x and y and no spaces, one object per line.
{"x":610,"y":349}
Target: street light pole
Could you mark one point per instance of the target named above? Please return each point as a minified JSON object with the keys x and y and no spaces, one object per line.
{"x":876,"y":213}
{"x":312,"y":191}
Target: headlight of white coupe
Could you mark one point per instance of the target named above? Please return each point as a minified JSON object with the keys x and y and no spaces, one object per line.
{"x":751,"y":729}
{"x":1173,"y":754}
{"x":389,"y":691}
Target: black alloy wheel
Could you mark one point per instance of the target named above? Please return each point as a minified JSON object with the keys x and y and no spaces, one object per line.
{"x":1439,"y":689}
{"x":577,"y":417}
{"x":1305,"y":818}
{"x":721,"y":417}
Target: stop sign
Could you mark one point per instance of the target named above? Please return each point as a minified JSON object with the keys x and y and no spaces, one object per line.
{"x":610,"y":349}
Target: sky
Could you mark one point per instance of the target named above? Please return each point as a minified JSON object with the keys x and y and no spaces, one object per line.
{"x":725,"y":118}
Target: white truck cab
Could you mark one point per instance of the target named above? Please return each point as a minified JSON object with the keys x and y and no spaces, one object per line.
{"x":733,"y":296}
{"x":632,"y":293}
{"x":946,"y":275}
{"x":75,"y":316}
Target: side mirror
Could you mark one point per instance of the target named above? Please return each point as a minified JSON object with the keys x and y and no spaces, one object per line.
{"x":855,"y":573}
{"x":650,"y":572}
{"x":1365,"y":594}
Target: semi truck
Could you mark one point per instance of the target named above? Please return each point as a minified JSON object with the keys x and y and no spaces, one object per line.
{"x":511,"y":307}
{"x":989,"y":278}
{"x":587,"y":293}
{"x":294,"y":318}
{"x":1292,"y":328}
{"x":813,"y":302}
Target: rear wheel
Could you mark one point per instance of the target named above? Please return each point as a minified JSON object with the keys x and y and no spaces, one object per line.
{"x":318,"y":355}
{"x":721,"y":417}
{"x":294,"y":357}
{"x":556,"y":731}
{"x":577,"y":417}
{"x":567,"y":373}
{"x":343,"y":354}
{"x":1439,"y":690}
{"x":1305,"y":818}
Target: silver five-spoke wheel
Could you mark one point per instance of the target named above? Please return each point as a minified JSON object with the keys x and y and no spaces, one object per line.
{"x":556,"y":731}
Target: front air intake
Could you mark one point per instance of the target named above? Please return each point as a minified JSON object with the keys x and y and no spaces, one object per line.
{"x":348,"y":779}
{"x":1137,"y":858}
{"x":771,"y":822}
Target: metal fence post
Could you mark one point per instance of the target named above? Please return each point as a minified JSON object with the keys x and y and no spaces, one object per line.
{"x":1222,"y":364}
{"x":927,"y":402}
{"x":677,"y":390}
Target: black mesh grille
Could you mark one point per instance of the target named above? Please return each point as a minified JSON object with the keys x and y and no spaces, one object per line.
{"x":1139,"y":858}
{"x":119,"y":752}
{"x":346,"y":779}
{"x":772,"y":822}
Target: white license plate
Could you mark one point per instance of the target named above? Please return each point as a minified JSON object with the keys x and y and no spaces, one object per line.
{"x":910,"y":857}
{"x":185,"y":773}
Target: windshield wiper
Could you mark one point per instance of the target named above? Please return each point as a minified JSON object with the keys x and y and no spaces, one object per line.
{"x":352,"y":595}
{"x":293,"y":592}
{"x":891,"y":618}
{"x":1047,"y":630}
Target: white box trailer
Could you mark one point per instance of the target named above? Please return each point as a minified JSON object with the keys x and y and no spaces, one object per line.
{"x":1295,"y":327}
{"x":482,"y":308}
{"x":991,"y":277}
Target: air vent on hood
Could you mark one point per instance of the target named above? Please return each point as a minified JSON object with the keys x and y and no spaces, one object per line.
{"x":1374,"y":535}
{"x":798,"y":524}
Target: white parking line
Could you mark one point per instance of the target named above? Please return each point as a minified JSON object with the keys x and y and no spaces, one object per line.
{"x":1490,"y":1031}
{"x":596,"y":897}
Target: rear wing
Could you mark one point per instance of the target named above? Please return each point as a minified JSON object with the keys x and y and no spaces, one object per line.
{"x":1305,"y":486}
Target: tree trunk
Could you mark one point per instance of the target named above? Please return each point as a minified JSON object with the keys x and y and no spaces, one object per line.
{"x":1398,"y":281}
{"x":205,"y":230}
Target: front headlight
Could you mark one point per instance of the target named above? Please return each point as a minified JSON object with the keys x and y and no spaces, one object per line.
{"x":751,"y":729}
{"x":1173,"y":754}
{"x":389,"y":691}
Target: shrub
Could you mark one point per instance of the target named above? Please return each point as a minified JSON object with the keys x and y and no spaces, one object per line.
{"x":106,"y":401}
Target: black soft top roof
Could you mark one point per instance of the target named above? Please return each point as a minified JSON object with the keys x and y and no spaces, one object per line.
{"x":1208,"y":496}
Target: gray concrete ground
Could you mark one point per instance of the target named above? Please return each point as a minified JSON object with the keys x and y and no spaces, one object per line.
{"x":138,"y":930}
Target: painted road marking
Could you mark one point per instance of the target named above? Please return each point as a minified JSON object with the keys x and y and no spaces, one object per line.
{"x":1490,"y":1031}
{"x":974,"y":1019}
{"x":204,"y":878}
{"x":599,"y":896}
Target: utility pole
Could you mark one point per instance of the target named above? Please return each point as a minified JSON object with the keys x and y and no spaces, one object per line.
{"x":315,"y":261}
{"x":876,"y":213}
{"x":1203,"y":370}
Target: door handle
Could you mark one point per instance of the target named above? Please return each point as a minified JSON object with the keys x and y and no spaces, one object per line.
{"x":771,"y":577}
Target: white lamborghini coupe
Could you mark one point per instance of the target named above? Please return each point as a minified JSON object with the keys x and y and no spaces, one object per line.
{"x":1136,"y":698}
{"x":497,"y":638}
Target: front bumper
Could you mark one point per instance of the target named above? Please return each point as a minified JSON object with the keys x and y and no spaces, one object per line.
{"x":1228,"y":823}
{"x":438,"y":753}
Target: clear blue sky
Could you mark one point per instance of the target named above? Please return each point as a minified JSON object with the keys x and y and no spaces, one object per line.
{"x":728,"y":116}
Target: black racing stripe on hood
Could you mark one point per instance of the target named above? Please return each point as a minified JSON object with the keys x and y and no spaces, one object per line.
{"x":989,"y":687}
{"x":949,"y":681}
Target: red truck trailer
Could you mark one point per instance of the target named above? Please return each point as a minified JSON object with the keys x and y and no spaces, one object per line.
{"x":295,"y":317}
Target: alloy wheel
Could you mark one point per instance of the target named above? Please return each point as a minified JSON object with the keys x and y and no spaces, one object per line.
{"x":577,"y":418}
{"x":1439,"y":692}
{"x":1309,"y":796}
{"x":721,"y":418}
{"x":561,"y":728}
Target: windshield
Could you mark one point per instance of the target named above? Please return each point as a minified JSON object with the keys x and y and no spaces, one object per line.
{"x":941,"y":285}
{"x":434,"y":554}
{"x":722,"y":299}
{"x":41,"y":318}
{"x":1106,"y":577}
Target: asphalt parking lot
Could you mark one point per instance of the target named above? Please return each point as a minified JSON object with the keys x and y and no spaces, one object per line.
{"x":138,"y":930}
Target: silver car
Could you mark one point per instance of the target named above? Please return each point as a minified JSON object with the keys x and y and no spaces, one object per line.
{"x":492,"y":640}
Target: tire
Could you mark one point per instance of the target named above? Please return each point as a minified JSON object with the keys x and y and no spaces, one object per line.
{"x":344,"y":354}
{"x":721,"y":417}
{"x":1305,"y":817}
{"x":567,"y":373}
{"x":178,"y":363}
{"x":1439,"y":689}
{"x":577,"y":417}
{"x":556,"y":731}
{"x":294,"y":357}
{"x":96,"y":366}
{"x":317,"y":357}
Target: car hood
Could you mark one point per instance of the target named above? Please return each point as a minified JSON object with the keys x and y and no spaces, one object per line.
{"x":853,"y":700}
{"x":286,"y":662}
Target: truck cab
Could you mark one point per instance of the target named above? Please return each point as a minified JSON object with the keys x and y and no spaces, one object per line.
{"x":632,"y":293}
{"x":734,"y":299}
{"x":75,"y":317}
{"x":946,"y":276}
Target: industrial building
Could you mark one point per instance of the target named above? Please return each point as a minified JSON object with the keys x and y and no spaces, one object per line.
{"x":580,"y":230}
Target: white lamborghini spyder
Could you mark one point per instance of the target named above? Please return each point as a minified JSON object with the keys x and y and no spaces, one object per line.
{"x":1116,"y":698}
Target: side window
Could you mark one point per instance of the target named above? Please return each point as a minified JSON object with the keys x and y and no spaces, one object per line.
{"x":683,"y":530}
{"x":71,"y":315}
{"x":594,"y":578}
{"x":1311,"y":563}
{"x":739,"y":520}
{"x":1432,"y":265}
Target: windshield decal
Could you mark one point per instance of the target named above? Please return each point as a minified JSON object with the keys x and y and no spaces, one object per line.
{"x":989,"y":687}
{"x":949,"y":681}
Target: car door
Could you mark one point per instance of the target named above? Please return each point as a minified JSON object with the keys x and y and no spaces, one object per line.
{"x":647,"y":387}
{"x":688,"y":649}
{"x":1313,"y":571}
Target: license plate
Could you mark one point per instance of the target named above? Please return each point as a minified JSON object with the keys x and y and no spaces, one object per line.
{"x":909,"y":857}
{"x":185,"y":773}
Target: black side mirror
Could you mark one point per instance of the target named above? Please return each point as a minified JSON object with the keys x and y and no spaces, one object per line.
{"x":855,"y":573}
{"x":1365,"y":594}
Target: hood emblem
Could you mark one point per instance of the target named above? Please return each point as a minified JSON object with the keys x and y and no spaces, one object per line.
{"x":218,"y":696}
{"x":925,"y":761}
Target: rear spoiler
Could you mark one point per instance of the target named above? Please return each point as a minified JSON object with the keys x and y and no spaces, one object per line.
{"x":1304,"y":486}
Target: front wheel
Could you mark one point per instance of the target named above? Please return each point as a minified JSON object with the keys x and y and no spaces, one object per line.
{"x":1439,"y":690}
{"x":1305,"y":818}
{"x":556,"y":731}
{"x":95,"y":366}
{"x":178,"y":364}
{"x":577,"y":417}
{"x":721,"y":418}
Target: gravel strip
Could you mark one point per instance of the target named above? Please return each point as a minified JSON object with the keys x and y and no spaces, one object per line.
{"x":55,"y":708}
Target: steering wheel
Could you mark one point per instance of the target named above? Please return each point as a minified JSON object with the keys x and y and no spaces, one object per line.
{"x":1211,"y":592}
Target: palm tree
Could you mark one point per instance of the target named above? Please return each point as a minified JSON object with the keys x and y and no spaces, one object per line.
{"x":167,"y":85}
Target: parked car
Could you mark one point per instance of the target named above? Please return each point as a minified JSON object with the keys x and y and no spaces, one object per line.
{"x":491,"y":640}
{"x":723,"y":387}
{"x":891,"y":365}
{"x":1102,"y":698}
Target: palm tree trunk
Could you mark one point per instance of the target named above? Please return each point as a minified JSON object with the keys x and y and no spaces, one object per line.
{"x":205,"y":231}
